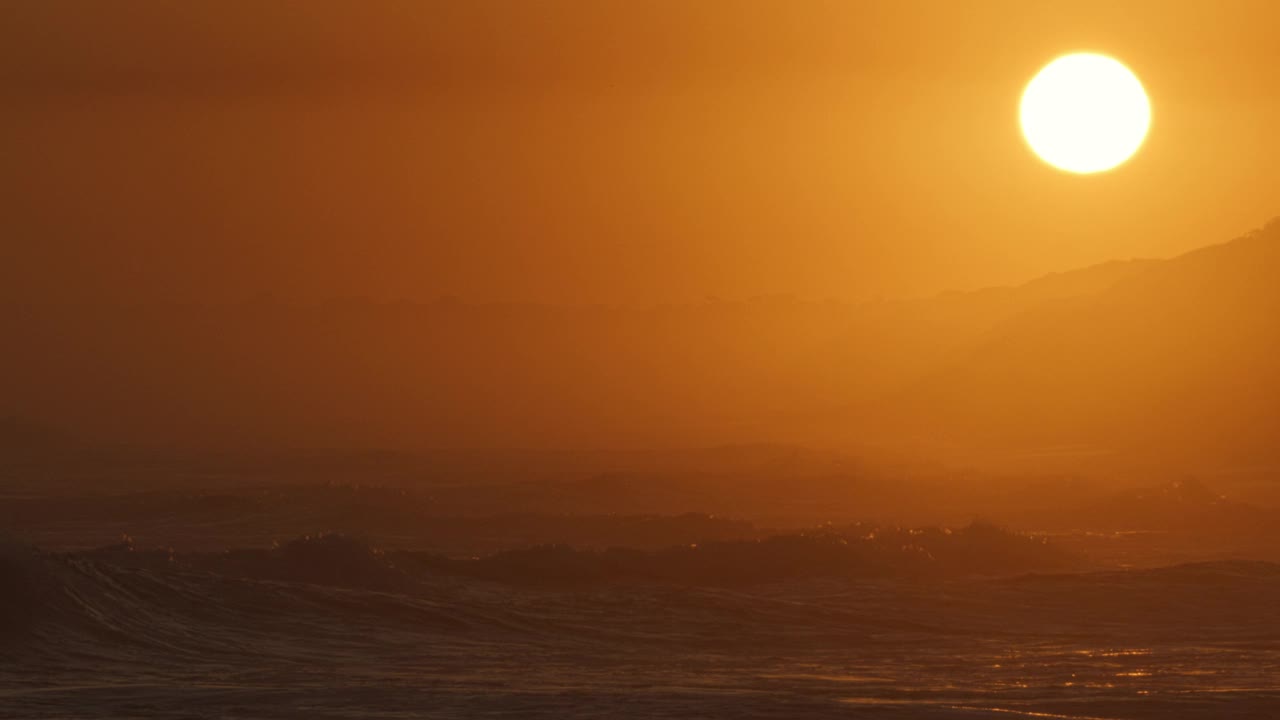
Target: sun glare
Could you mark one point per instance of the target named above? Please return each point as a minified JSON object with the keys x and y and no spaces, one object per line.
{"x":1085,"y":113}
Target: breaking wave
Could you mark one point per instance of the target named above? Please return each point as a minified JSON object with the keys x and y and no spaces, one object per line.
{"x":330,"y":622}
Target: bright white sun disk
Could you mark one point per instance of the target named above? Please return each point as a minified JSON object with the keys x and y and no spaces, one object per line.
{"x":1085,"y":113}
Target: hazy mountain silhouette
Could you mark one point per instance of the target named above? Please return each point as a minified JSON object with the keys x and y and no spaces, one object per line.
{"x":1155,"y":358}
{"x":891,"y":345}
{"x":1173,"y":361}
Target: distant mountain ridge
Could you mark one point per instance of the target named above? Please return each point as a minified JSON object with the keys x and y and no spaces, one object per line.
{"x":1179,"y":359}
{"x":1169,"y":359}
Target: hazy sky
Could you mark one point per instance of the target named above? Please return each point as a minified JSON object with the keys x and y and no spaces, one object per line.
{"x":593,"y":151}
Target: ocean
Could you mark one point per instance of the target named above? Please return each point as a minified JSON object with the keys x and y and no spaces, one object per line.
{"x":85,"y":637}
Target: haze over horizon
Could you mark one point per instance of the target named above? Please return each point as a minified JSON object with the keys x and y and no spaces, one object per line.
{"x":1063,"y":368}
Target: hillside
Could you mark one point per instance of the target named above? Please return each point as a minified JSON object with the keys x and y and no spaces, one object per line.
{"x":1177,"y":361}
{"x":1168,"y":359}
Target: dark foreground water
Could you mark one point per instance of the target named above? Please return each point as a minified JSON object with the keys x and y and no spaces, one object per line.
{"x":87,"y":638}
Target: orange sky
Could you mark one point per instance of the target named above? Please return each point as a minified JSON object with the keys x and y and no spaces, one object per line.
{"x":603,"y":151}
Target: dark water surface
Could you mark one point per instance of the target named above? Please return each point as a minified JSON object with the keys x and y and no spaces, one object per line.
{"x":86,"y":638}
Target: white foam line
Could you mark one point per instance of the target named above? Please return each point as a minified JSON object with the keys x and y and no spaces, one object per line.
{"x":1026,"y":713}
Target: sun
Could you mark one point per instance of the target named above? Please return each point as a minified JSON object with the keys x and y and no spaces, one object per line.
{"x":1085,"y":113}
